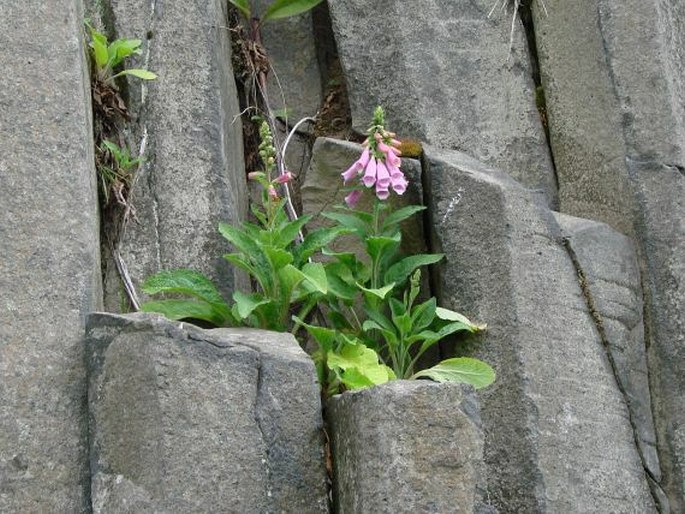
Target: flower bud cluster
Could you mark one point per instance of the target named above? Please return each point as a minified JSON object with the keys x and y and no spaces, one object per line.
{"x":378,"y":165}
{"x":267,"y":153}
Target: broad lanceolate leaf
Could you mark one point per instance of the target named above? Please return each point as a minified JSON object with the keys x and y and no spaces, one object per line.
{"x":246,"y":304}
{"x":461,"y":369}
{"x":284,"y":8}
{"x":360,"y":366}
{"x":183,"y":309}
{"x":423,"y":315}
{"x":324,"y":336}
{"x":375,"y":245}
{"x":184,"y":281}
{"x":349,"y":221}
{"x":400,"y":215}
{"x":99,"y":51}
{"x":380,"y":292}
{"x":316,"y":240}
{"x":139,"y":73}
{"x":448,"y":315}
{"x":290,"y":229}
{"x":400,"y":271}
{"x":315,"y":274}
{"x":243,"y":6}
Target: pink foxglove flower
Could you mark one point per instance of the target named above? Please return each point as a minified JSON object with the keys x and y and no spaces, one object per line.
{"x":284,"y":178}
{"x":352,"y":199}
{"x":378,"y":165}
{"x":357,"y":167}
{"x":369,"y":178}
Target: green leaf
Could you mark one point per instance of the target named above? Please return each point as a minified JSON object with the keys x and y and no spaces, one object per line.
{"x":278,"y":258}
{"x":389,"y":335}
{"x":316,"y":240}
{"x":122,"y":48}
{"x":360,"y":366}
{"x":400,"y":271}
{"x":400,"y":215}
{"x":139,"y":73}
{"x":464,"y":370}
{"x":423,"y":315}
{"x":376,"y":245}
{"x":448,"y":315}
{"x":184,"y":281}
{"x":324,"y":336}
{"x":284,"y":8}
{"x":315,"y":274}
{"x":100,"y":53}
{"x":183,"y":309}
{"x":243,"y":6}
{"x":350,"y":221}
{"x":289,"y":232}
{"x":380,"y":292}
{"x":246,"y":304}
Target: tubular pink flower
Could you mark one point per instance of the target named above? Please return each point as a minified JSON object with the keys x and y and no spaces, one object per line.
{"x":272,"y":193}
{"x":393,"y":159}
{"x":399,"y":184}
{"x":382,"y":175}
{"x":369,"y":178}
{"x":352,"y":199}
{"x":284,"y":178}
{"x":382,"y":192}
{"x":357,"y":167}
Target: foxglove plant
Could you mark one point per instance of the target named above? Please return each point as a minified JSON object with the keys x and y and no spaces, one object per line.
{"x":377,"y":332}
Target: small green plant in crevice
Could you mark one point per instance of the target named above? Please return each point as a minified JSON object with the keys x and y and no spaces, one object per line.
{"x":106,"y":57}
{"x":276,"y":10}
{"x":286,"y":281}
{"x":116,"y":169}
{"x":375,"y":330}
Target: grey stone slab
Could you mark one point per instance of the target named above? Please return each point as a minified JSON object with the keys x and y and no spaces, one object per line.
{"x":186,"y":420}
{"x":193,"y":177}
{"x":444,"y":75}
{"x":610,"y":267}
{"x":49,"y":259}
{"x":294,"y":82}
{"x":322,"y":190}
{"x":583,"y":114}
{"x":407,"y":446}
{"x":613,"y":75}
{"x":557,"y":431}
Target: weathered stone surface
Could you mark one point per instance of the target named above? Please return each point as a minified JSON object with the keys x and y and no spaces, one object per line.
{"x":186,"y":420}
{"x":407,"y":446}
{"x":557,"y":431}
{"x":443,"y":74}
{"x":295,"y":77}
{"x":624,"y":88}
{"x":608,"y":261}
{"x":49,"y":264}
{"x":323,"y":190}
{"x":193,"y":177}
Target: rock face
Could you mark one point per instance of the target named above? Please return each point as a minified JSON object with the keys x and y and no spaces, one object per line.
{"x":407,"y":446}
{"x":186,"y":420}
{"x":49,"y":260}
{"x":442,"y":72}
{"x":295,"y":79}
{"x":193,"y":177}
{"x":557,"y":431}
{"x":611,"y":281}
{"x":617,"y":127}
